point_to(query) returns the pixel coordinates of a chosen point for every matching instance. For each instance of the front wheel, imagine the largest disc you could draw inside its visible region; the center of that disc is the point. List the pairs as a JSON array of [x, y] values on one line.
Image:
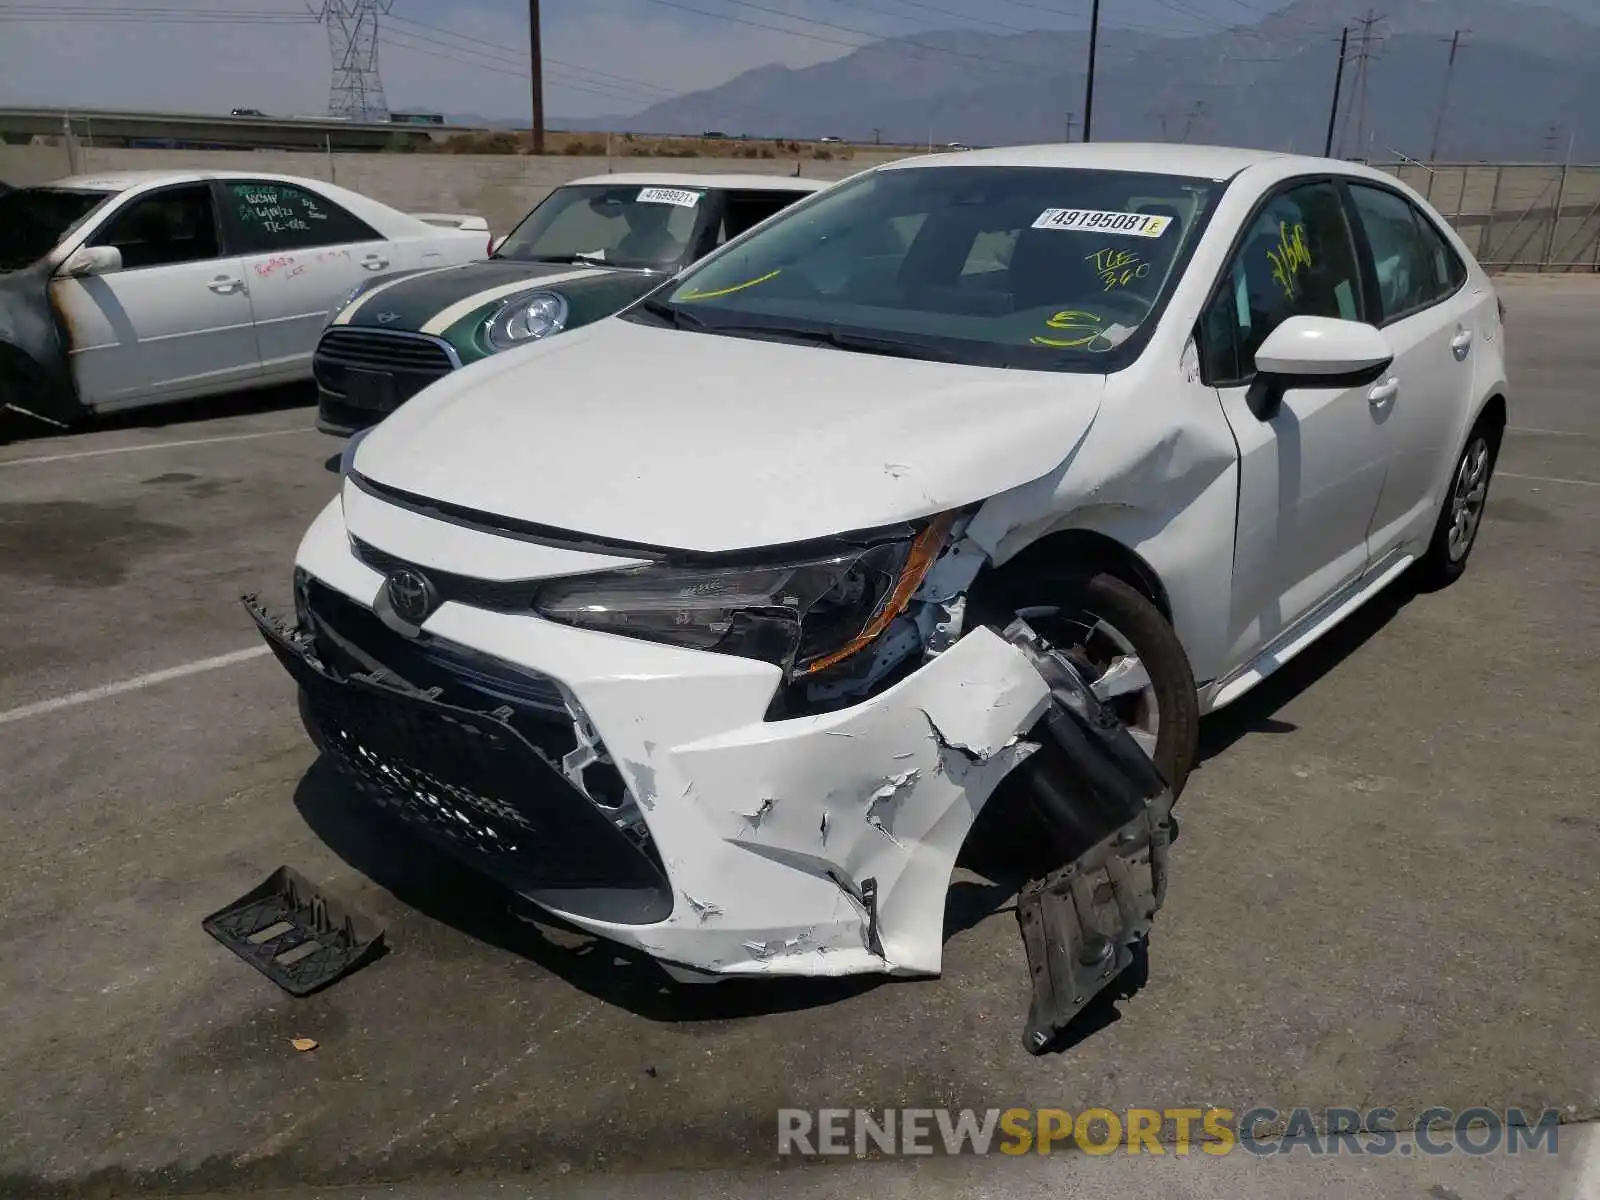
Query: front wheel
[[1126, 650]]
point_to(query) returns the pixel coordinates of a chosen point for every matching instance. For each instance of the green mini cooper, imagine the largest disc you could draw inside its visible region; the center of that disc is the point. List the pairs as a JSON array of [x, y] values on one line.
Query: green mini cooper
[[589, 249]]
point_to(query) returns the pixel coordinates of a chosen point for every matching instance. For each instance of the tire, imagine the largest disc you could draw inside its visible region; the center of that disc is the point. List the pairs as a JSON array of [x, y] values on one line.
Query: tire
[[1461, 514], [1094, 613]]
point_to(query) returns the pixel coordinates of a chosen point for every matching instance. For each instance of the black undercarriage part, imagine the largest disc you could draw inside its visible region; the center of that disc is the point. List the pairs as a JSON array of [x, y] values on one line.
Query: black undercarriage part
[[297, 937], [1111, 812]]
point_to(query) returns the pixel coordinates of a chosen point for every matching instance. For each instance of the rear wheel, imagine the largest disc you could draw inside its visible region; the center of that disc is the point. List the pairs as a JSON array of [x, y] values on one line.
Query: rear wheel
[[1126, 650]]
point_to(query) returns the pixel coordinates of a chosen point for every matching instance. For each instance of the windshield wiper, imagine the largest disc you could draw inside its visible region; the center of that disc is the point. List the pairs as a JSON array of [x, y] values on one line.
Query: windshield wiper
[[838, 340], [677, 316], [598, 259]]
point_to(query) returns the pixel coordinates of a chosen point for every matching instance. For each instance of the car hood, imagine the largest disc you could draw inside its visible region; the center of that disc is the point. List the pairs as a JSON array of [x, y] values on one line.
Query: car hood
[[702, 442], [411, 301]]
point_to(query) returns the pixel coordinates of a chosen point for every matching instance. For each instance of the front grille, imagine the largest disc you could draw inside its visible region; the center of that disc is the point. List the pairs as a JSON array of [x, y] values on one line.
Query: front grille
[[513, 596], [374, 371], [465, 749], [378, 350]]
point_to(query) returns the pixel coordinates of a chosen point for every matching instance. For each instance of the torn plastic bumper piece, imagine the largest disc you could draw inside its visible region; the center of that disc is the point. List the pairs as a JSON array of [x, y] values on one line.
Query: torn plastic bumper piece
[[470, 782], [297, 937], [1094, 787]]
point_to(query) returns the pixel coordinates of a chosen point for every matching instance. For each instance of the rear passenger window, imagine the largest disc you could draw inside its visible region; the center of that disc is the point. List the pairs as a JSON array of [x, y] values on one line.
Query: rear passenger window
[[271, 217], [1415, 266], [1296, 259]]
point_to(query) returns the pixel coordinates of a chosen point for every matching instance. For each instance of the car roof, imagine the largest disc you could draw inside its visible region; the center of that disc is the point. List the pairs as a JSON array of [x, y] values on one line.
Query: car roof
[[121, 181], [1162, 158], [710, 179]]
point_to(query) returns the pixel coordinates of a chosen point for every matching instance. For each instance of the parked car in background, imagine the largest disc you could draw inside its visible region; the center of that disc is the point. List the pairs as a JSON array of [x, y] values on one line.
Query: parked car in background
[[713, 626], [130, 289], [589, 248]]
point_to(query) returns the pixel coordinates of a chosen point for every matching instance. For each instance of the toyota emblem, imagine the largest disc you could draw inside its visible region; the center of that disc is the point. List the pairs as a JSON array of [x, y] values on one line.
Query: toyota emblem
[[410, 595]]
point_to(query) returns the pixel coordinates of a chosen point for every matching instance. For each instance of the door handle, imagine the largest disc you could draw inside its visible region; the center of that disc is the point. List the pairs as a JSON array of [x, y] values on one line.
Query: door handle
[[223, 286], [1461, 343], [373, 263], [1384, 392]]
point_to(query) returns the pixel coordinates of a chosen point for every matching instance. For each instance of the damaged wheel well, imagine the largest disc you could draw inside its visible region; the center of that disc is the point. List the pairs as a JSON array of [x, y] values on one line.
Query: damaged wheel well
[[1094, 552]]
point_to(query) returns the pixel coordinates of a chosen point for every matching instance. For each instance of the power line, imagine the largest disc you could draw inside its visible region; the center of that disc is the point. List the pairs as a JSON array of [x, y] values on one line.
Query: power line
[[522, 56]]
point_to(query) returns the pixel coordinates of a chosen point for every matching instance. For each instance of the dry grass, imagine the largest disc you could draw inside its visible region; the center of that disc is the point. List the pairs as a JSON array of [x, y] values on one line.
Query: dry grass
[[633, 145]]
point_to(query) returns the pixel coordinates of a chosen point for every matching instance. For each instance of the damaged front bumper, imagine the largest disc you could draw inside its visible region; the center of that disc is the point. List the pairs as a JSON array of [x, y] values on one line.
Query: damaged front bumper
[[639, 791]]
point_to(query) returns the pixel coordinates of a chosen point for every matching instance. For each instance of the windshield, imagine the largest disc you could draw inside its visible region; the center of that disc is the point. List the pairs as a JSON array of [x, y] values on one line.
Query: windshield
[[34, 220], [1042, 268], [632, 226]]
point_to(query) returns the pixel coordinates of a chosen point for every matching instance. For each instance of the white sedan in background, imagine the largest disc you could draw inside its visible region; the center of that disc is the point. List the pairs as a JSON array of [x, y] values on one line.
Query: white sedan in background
[[143, 287]]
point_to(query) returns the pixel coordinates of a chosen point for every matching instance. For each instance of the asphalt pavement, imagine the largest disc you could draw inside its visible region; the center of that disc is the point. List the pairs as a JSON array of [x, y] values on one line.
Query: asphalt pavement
[[1384, 894]]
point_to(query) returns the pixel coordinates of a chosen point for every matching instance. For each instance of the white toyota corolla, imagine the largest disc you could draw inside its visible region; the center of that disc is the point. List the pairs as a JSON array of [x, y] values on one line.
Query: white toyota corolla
[[714, 625]]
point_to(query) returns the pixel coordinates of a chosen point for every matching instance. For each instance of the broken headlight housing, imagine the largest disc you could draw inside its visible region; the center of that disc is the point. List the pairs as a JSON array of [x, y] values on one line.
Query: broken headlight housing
[[526, 318], [803, 615]]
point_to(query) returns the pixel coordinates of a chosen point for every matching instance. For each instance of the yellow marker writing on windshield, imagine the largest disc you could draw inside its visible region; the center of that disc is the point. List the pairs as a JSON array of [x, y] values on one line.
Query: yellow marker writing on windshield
[[1084, 326], [738, 287], [1118, 267]]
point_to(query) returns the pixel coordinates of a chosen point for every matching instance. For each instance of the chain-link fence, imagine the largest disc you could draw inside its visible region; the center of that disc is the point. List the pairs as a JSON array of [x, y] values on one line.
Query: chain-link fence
[[1516, 216]]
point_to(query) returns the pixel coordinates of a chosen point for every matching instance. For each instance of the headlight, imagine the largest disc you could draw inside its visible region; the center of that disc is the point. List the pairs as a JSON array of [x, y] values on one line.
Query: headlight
[[803, 615], [346, 300], [526, 318]]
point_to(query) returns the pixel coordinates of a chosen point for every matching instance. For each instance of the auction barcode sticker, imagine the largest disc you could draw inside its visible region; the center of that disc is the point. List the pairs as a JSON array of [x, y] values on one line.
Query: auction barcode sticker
[[682, 197], [1094, 220]]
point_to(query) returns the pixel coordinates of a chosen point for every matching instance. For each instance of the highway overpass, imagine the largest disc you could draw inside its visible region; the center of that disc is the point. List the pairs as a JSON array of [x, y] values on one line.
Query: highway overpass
[[198, 131]]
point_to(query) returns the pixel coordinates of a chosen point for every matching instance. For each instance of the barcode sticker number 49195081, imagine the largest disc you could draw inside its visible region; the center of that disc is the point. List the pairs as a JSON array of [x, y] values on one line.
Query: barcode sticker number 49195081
[[1090, 220]]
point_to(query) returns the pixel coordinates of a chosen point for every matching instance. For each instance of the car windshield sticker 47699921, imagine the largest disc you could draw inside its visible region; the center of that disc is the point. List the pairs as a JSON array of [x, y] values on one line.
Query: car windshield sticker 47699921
[[682, 197]]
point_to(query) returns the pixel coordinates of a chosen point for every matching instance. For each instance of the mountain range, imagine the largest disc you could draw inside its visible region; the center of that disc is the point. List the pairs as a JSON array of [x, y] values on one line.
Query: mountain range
[[1525, 86]]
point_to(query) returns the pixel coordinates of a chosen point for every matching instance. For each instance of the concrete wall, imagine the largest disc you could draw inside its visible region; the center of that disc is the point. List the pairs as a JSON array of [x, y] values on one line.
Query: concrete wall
[[1505, 213], [499, 187]]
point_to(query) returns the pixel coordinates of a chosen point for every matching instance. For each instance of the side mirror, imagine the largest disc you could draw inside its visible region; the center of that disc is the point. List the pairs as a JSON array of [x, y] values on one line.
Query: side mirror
[[93, 260], [1317, 352]]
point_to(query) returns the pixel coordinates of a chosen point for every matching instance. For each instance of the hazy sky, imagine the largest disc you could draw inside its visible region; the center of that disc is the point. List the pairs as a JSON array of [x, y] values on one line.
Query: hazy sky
[[603, 56]]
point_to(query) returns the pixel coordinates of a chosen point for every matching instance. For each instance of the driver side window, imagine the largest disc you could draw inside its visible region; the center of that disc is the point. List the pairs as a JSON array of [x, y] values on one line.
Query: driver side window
[[1296, 259]]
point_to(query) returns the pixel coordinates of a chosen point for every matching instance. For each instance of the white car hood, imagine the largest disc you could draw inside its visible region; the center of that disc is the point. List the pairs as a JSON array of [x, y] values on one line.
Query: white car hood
[[702, 442]]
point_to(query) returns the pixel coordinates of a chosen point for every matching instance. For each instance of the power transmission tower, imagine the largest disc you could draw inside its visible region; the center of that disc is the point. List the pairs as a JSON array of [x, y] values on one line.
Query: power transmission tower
[[1444, 94], [1363, 56], [357, 89], [1161, 115], [1070, 118], [1552, 135], [1197, 112]]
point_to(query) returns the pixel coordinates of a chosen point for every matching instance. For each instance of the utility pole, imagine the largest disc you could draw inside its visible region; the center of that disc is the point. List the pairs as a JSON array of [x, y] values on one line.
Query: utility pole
[[537, 74], [877, 136], [1070, 118], [1088, 89], [1444, 94], [1338, 81]]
